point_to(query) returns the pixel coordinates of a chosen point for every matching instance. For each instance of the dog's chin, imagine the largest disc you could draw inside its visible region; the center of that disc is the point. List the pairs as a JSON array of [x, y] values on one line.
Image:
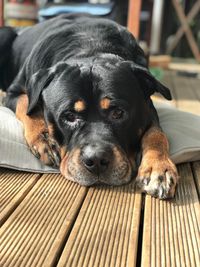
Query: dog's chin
[[118, 174], [85, 179]]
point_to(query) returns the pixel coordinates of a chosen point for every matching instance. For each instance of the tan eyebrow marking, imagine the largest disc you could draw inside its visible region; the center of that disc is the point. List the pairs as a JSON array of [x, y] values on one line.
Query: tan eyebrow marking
[[105, 103], [79, 106]]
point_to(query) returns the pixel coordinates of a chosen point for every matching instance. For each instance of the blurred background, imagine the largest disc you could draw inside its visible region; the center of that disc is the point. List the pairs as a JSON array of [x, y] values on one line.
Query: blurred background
[[167, 30]]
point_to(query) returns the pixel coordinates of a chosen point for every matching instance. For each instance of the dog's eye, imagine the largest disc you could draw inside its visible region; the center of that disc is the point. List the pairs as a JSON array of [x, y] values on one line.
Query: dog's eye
[[117, 114], [71, 117]]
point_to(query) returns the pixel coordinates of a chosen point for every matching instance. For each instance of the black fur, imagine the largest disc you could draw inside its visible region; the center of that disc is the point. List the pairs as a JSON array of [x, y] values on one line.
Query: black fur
[[74, 57]]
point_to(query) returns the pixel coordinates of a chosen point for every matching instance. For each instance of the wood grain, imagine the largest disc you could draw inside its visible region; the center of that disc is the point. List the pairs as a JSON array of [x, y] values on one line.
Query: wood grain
[[34, 233], [134, 10], [106, 230], [14, 186], [171, 235], [196, 172]]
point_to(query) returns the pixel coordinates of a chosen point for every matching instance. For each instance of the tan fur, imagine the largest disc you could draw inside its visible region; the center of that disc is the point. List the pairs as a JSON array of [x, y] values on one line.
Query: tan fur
[[105, 103], [155, 140], [79, 106], [157, 174], [38, 136], [63, 151], [33, 125]]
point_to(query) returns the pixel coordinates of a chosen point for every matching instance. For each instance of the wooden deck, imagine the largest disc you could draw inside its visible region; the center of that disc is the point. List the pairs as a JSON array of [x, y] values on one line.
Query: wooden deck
[[49, 221]]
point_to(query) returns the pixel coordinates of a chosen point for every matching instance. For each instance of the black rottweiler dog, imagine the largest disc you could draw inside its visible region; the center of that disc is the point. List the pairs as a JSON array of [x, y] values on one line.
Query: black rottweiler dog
[[82, 88]]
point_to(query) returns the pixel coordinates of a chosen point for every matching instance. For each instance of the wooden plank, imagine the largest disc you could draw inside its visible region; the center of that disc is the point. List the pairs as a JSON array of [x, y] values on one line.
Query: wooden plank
[[186, 96], [196, 171], [195, 85], [161, 61], [14, 186], [1, 13], [171, 235], [188, 67], [134, 10], [34, 234], [106, 229], [167, 80]]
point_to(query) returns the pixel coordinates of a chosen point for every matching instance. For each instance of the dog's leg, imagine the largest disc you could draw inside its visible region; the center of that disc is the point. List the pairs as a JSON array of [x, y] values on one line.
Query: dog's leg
[[157, 174], [36, 133]]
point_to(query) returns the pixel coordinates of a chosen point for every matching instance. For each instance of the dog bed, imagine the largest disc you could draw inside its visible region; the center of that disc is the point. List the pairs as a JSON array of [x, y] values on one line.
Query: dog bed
[[182, 129]]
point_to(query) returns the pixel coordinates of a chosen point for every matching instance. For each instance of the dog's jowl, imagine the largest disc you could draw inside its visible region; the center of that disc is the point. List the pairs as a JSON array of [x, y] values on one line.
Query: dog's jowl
[[81, 87]]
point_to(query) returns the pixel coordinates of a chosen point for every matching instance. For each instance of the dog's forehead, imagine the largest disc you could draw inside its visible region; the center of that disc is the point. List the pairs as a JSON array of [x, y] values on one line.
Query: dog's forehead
[[118, 85], [91, 90]]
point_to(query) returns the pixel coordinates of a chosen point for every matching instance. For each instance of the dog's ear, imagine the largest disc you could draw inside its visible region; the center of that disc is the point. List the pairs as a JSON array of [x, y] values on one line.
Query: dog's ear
[[38, 82], [148, 83], [42, 79]]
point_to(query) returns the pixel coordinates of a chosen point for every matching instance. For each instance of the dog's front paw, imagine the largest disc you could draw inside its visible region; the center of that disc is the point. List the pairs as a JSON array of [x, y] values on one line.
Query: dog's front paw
[[45, 148], [157, 177]]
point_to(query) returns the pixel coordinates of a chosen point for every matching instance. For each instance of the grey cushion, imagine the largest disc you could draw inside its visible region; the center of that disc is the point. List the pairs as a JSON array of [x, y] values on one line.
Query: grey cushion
[[182, 129], [14, 153], [183, 132]]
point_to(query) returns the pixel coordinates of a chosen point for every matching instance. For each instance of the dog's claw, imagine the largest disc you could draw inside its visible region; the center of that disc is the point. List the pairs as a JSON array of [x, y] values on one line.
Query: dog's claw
[[57, 158], [35, 152], [53, 161], [45, 135], [158, 179], [146, 181], [46, 149], [161, 193]]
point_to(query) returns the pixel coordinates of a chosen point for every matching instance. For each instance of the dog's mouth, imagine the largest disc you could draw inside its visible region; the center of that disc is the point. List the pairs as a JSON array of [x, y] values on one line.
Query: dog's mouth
[[116, 170]]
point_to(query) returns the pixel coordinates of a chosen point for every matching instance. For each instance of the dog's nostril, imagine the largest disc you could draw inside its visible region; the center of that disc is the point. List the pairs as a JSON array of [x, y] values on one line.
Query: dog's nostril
[[95, 164], [89, 162], [104, 162]]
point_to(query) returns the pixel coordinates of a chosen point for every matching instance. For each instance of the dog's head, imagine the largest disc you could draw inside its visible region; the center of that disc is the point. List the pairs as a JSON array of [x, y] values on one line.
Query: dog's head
[[98, 112]]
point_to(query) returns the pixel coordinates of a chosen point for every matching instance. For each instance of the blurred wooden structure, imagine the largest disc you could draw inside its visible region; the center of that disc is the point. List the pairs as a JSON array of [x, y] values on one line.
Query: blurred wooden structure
[[1, 13], [186, 28], [133, 23], [191, 15]]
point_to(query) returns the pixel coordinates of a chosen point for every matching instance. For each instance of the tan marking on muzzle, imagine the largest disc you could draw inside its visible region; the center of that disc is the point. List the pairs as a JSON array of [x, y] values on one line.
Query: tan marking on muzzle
[[63, 151], [79, 106], [105, 103], [51, 129]]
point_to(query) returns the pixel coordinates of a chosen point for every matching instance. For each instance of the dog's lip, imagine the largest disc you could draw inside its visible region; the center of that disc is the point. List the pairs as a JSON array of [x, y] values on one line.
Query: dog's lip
[[100, 181], [86, 183], [63, 164], [122, 180]]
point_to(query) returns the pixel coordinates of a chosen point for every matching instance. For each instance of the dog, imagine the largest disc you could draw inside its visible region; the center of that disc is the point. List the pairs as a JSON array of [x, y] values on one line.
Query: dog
[[81, 87]]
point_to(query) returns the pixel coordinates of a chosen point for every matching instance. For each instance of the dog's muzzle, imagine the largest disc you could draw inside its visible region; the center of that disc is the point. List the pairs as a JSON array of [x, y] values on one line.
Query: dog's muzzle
[[97, 163]]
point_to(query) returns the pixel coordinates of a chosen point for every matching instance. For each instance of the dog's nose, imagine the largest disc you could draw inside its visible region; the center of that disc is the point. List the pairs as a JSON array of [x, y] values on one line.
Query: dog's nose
[[96, 158]]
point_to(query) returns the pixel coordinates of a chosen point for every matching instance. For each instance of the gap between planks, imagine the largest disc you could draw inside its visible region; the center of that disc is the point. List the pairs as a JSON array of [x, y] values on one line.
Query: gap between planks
[[171, 235], [14, 186], [35, 232], [106, 230]]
